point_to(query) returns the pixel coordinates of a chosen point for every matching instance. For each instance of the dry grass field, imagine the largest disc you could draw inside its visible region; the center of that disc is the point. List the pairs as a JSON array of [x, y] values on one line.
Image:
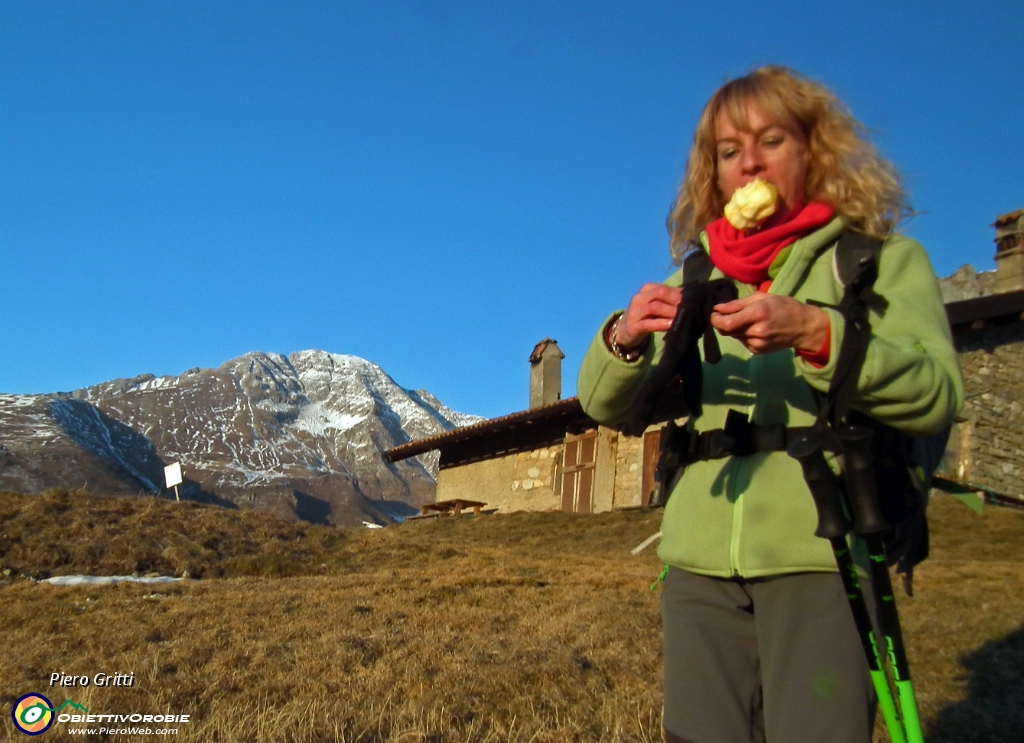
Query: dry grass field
[[525, 627]]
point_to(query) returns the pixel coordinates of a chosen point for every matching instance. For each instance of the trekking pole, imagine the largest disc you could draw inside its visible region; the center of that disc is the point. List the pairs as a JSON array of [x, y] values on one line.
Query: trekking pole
[[870, 525], [834, 525]]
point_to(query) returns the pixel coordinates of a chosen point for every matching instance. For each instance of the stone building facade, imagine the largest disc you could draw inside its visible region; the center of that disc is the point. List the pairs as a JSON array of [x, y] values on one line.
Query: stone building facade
[[988, 440], [986, 447], [540, 479], [596, 471]]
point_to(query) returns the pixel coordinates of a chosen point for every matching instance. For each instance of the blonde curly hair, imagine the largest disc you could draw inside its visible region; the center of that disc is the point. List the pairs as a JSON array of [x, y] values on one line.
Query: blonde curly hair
[[845, 171]]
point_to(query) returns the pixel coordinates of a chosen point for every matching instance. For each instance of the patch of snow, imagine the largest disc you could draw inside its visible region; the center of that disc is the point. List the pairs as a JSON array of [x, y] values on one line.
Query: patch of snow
[[20, 401], [318, 419], [106, 580], [157, 383]]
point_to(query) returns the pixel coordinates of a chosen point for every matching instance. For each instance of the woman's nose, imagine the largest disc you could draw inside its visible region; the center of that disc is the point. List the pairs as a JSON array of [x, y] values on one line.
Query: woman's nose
[[751, 160]]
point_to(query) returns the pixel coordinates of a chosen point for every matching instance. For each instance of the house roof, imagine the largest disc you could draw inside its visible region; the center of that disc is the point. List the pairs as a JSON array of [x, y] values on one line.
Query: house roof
[[522, 431], [1006, 306], [1003, 219], [524, 423]]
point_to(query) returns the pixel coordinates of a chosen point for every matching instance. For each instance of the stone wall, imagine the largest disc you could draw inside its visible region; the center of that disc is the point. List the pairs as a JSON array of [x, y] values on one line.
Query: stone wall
[[527, 481], [989, 439], [628, 471]]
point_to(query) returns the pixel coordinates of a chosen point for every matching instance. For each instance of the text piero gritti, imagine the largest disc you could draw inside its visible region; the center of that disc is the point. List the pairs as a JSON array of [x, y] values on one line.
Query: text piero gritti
[[59, 678]]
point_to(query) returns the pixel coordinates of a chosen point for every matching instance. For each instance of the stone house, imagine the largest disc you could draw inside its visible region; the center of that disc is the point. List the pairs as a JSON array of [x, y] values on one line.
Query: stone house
[[552, 456]]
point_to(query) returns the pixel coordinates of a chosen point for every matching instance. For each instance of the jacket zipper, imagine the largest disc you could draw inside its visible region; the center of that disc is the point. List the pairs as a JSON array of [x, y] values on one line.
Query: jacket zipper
[[737, 521], [741, 463]]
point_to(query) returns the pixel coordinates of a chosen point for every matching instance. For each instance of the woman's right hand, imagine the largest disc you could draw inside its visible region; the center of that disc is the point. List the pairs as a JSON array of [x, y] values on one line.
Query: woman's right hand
[[651, 310]]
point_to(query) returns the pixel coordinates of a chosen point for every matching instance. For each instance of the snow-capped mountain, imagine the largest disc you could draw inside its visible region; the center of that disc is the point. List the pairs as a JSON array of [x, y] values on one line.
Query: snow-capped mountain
[[299, 435]]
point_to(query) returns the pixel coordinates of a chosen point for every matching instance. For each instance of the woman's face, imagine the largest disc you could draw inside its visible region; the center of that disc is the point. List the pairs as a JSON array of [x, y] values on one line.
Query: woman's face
[[773, 152]]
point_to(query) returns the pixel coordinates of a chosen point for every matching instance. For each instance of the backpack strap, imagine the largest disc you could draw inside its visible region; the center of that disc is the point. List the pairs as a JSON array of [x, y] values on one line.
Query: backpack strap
[[855, 264], [697, 266]]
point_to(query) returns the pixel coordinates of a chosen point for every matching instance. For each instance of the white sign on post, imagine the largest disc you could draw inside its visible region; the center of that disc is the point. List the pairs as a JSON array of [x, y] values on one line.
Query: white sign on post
[[172, 476]]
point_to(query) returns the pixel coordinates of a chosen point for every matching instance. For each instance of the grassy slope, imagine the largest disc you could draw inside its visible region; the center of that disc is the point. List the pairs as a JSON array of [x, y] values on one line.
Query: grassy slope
[[62, 533], [525, 627]]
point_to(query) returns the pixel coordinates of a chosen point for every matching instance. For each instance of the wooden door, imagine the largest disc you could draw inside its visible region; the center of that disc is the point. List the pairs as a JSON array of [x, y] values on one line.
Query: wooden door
[[579, 456]]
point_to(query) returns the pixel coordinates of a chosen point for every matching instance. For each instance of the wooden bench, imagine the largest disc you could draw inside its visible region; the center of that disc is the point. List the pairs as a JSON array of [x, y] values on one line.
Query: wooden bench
[[449, 508]]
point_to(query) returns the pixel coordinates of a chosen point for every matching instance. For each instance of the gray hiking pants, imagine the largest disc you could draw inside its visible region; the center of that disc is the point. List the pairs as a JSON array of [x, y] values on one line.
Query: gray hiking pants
[[774, 660]]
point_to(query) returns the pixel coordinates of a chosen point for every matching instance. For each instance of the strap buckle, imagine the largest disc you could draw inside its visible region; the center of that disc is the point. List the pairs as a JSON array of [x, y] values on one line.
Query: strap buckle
[[735, 439], [684, 444]]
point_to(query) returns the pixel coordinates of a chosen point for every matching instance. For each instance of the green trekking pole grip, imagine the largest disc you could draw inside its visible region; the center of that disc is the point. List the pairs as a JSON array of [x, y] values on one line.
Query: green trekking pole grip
[[889, 619], [834, 525], [908, 705], [884, 693], [870, 525], [869, 643]]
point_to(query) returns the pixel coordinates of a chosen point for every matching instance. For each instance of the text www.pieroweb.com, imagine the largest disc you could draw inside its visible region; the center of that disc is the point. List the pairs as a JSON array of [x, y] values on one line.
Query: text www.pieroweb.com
[[122, 731], [131, 728]]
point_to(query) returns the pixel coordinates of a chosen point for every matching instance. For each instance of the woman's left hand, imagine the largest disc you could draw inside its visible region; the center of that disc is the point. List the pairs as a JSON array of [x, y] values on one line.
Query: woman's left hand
[[766, 323]]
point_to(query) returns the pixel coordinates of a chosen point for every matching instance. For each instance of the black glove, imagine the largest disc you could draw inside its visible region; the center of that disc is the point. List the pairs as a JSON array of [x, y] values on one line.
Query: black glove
[[680, 356]]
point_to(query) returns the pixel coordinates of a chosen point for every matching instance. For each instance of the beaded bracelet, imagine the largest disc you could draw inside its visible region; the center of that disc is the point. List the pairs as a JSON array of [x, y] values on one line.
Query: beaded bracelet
[[629, 355]]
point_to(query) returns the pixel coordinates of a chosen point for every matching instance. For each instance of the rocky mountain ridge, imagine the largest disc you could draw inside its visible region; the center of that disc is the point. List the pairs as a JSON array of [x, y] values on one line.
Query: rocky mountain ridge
[[299, 435]]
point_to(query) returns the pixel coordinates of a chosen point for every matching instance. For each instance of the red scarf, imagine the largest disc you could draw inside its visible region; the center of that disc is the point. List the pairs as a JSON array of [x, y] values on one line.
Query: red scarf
[[746, 258]]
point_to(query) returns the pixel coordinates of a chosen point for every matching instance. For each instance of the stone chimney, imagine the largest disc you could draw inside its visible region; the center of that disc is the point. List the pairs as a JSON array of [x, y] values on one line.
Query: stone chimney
[[545, 373], [1010, 251]]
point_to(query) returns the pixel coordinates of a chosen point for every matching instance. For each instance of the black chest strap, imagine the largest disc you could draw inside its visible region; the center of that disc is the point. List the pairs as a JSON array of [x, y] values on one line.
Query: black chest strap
[[739, 438]]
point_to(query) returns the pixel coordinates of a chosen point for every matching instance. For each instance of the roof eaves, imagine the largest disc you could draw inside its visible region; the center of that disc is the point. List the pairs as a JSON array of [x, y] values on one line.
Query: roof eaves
[[569, 407], [985, 308]]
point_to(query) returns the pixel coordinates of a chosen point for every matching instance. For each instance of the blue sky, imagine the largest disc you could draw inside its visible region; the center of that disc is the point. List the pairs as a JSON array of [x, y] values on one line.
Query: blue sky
[[432, 186]]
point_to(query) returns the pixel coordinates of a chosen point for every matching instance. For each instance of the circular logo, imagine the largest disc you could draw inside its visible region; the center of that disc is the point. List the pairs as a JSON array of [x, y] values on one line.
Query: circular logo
[[32, 714]]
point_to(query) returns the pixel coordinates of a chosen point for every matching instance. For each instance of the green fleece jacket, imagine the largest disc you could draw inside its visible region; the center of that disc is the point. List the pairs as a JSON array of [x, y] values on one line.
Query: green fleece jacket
[[753, 516]]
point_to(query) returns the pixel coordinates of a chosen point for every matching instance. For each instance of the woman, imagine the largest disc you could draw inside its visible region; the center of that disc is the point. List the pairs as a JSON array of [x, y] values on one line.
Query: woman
[[758, 638]]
